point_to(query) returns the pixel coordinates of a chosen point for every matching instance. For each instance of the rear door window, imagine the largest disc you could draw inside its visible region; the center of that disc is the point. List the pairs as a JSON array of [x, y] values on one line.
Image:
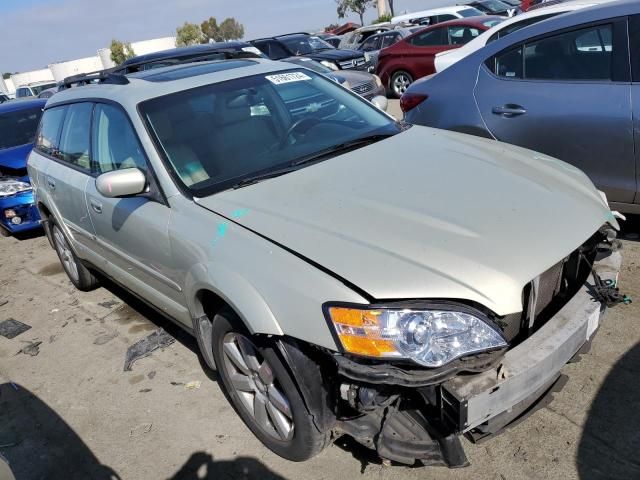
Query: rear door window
[[430, 38], [390, 39], [48, 137], [372, 43], [462, 35], [74, 140], [584, 54]]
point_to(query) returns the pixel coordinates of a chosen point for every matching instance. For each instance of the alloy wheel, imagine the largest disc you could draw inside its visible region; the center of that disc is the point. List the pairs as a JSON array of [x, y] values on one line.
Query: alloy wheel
[[400, 84], [66, 255], [255, 384]]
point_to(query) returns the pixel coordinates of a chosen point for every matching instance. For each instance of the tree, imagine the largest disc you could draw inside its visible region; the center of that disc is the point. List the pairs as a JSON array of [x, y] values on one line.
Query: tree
[[229, 29], [355, 6], [6, 75], [189, 34], [120, 51]]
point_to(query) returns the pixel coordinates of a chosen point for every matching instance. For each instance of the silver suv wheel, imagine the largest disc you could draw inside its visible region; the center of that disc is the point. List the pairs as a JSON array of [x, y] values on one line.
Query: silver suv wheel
[[400, 82], [253, 380], [65, 254]]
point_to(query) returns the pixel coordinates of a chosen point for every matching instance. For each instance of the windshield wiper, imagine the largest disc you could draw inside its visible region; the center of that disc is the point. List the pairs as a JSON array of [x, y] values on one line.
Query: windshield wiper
[[358, 142], [263, 176]]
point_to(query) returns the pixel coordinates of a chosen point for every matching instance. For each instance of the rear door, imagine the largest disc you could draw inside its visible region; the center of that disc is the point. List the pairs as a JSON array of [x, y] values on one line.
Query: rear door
[[634, 44], [64, 139], [132, 233], [567, 94], [421, 49]]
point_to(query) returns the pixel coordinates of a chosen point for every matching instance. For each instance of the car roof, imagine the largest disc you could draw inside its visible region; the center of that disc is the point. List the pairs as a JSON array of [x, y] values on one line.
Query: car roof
[[141, 86], [433, 11], [184, 51], [17, 105], [609, 9], [37, 84]]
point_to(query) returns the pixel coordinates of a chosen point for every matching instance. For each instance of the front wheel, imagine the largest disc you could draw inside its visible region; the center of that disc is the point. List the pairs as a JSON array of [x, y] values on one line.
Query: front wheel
[[80, 276], [399, 83], [262, 391]]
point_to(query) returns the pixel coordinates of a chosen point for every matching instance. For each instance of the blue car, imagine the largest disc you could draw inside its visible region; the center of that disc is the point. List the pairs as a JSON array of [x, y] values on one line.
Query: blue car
[[18, 125]]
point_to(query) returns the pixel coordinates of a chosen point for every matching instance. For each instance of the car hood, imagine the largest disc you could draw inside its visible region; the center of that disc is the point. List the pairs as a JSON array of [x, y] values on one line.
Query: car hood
[[15, 157], [354, 77], [427, 214], [335, 55]]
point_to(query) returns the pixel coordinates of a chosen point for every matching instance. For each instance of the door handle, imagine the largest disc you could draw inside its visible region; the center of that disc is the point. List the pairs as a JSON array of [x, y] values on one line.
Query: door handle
[[52, 183], [509, 110], [97, 207]]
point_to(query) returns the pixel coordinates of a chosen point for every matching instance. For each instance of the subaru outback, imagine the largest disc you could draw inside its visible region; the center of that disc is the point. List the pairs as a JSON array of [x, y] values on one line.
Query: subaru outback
[[345, 273]]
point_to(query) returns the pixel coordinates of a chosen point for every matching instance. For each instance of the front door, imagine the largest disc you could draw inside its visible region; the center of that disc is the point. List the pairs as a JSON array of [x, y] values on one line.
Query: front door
[[132, 233], [567, 95]]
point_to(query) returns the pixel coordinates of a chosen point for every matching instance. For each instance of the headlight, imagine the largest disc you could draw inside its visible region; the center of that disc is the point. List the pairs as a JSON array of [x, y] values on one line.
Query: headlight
[[329, 64], [378, 81], [430, 337], [11, 187]]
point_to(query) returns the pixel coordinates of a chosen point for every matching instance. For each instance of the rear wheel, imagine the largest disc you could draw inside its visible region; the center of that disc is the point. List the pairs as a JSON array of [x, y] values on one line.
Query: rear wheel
[[80, 276], [399, 83], [263, 392]]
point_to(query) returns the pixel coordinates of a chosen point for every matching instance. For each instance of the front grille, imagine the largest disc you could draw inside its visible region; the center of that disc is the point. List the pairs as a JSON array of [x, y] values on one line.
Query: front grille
[[355, 64], [13, 172], [546, 294], [364, 88]]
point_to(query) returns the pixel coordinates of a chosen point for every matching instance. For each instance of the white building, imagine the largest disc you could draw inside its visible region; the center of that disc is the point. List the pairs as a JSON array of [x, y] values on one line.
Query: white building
[[60, 70]]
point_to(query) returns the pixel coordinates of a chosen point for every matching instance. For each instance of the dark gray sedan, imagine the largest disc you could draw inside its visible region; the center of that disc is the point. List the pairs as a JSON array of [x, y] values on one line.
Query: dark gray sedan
[[565, 87]]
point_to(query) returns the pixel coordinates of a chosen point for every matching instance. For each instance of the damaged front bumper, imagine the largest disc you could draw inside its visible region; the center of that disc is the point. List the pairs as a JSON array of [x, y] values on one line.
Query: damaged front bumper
[[418, 415]]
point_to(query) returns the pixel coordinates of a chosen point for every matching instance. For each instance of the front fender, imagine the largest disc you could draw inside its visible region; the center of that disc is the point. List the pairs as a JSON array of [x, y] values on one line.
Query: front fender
[[236, 291]]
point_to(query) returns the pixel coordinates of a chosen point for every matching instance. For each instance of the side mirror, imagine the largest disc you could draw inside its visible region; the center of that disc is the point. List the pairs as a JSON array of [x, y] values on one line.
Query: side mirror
[[380, 102], [121, 183]]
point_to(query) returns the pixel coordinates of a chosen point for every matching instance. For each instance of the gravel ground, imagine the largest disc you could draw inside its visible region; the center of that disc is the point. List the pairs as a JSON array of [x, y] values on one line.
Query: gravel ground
[[68, 410]]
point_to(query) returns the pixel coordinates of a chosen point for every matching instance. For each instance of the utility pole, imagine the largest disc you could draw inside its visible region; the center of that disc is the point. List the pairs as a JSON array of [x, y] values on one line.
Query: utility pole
[[383, 8]]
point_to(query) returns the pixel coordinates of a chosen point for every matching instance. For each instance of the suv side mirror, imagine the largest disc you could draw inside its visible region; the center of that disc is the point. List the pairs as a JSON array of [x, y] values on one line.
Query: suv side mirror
[[121, 183]]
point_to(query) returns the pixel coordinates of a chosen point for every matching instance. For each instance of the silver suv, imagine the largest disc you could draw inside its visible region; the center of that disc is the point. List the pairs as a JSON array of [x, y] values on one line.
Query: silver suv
[[345, 273]]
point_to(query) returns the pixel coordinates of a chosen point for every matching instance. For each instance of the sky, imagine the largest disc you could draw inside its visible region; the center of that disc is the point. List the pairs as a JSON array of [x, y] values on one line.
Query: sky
[[35, 33]]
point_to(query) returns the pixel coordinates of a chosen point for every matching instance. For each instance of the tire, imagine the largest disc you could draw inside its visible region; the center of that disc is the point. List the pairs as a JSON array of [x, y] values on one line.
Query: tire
[[4, 232], [399, 83], [236, 353], [80, 276]]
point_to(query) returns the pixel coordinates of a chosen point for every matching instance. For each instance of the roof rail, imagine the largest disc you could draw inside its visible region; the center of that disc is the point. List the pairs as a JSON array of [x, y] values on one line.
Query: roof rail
[[228, 53], [278, 36], [102, 76]]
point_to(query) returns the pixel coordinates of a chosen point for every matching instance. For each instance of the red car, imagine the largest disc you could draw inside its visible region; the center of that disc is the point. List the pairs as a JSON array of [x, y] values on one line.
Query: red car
[[412, 58]]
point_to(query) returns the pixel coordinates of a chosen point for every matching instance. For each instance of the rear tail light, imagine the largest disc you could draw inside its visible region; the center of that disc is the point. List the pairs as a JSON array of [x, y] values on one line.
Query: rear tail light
[[409, 101]]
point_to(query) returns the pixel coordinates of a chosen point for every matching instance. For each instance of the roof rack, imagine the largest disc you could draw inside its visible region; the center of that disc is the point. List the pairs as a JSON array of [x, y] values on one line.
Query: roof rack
[[102, 76], [228, 53]]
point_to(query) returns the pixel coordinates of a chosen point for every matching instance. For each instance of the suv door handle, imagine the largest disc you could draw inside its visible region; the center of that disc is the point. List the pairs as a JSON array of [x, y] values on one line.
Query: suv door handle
[[97, 207], [52, 183], [509, 110]]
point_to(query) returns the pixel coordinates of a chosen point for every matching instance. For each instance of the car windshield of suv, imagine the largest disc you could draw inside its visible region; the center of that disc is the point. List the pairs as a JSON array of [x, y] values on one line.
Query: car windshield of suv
[[470, 12], [37, 89], [305, 45], [238, 132], [19, 128], [494, 5]]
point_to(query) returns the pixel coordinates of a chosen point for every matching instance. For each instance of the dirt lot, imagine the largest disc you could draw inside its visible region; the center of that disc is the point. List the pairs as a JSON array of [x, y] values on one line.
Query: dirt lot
[[72, 412]]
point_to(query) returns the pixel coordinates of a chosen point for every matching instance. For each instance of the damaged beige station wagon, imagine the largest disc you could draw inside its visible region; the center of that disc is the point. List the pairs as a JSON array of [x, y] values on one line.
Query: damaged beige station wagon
[[344, 273]]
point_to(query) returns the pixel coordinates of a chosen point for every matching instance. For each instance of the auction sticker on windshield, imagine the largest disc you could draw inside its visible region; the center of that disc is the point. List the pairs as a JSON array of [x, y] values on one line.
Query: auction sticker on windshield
[[281, 78]]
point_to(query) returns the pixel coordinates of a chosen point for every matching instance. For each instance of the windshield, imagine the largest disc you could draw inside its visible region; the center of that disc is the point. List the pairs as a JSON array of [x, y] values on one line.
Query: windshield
[[470, 12], [494, 5], [218, 135], [37, 89], [305, 45], [492, 23], [19, 128]]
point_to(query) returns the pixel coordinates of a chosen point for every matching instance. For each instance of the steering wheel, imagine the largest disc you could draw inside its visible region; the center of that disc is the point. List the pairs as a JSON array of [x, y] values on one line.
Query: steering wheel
[[304, 124]]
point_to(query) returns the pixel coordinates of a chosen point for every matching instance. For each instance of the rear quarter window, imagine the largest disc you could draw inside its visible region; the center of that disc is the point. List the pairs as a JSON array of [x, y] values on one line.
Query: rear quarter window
[[47, 141]]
